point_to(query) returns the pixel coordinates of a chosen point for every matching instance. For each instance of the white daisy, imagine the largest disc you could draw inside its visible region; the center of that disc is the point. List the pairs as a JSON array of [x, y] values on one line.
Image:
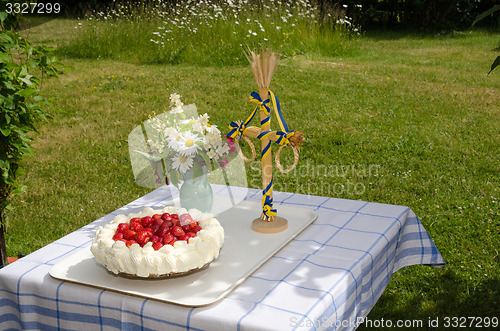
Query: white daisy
[[182, 163], [175, 140], [187, 144]]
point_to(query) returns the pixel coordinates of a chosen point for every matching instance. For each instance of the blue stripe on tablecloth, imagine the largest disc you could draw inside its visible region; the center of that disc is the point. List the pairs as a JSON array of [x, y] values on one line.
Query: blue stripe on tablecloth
[[57, 304], [99, 307], [142, 313], [422, 244]]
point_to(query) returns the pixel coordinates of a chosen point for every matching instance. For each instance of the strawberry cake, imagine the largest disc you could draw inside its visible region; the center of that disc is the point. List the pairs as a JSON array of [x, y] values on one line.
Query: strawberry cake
[[158, 243]]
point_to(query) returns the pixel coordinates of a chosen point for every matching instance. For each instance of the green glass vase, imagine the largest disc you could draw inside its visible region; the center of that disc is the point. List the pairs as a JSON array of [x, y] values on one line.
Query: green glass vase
[[196, 192]]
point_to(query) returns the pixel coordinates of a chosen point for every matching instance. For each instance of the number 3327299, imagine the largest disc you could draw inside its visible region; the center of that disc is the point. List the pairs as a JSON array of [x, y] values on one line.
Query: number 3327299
[[33, 8]]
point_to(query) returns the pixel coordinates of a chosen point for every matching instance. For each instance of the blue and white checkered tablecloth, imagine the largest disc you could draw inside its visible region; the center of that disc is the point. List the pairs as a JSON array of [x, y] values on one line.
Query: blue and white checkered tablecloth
[[328, 277]]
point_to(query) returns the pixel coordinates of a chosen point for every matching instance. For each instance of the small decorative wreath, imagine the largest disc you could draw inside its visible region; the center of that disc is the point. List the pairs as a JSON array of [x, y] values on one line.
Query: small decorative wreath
[[295, 161], [252, 147]]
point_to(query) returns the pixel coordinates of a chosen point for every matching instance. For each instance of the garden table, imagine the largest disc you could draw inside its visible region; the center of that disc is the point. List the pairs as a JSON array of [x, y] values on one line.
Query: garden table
[[328, 277]]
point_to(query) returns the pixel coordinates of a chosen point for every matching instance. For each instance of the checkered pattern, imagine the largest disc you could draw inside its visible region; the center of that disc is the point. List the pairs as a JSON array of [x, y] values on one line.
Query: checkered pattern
[[326, 278]]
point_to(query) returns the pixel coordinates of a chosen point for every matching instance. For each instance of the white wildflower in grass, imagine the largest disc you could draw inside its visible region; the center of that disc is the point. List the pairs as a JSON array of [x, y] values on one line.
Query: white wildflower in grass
[[209, 31]]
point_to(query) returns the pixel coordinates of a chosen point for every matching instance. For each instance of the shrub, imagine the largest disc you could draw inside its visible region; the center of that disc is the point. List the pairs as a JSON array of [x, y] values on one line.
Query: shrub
[[22, 67]]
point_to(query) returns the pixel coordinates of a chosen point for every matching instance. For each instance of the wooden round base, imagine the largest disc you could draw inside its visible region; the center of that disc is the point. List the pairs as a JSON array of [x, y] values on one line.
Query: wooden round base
[[278, 225]]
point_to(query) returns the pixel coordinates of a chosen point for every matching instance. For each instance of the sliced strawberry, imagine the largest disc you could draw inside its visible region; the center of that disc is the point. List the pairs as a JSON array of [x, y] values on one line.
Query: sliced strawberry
[[157, 222], [118, 236], [130, 242], [135, 220], [154, 238], [166, 217], [154, 228], [162, 231], [142, 237], [129, 234], [136, 226], [157, 245], [177, 231], [122, 227], [147, 221], [186, 228], [156, 216], [196, 228], [168, 239]]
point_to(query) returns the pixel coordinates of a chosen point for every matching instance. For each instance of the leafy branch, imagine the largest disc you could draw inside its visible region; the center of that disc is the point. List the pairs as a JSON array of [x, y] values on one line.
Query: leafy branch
[[22, 105]]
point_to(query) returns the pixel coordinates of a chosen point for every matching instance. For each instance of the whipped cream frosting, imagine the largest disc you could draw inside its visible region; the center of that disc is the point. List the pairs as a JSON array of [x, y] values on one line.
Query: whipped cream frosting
[[145, 261]]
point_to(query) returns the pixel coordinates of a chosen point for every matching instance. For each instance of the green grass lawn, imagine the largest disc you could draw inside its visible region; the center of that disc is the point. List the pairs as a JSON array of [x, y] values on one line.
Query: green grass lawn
[[402, 119]]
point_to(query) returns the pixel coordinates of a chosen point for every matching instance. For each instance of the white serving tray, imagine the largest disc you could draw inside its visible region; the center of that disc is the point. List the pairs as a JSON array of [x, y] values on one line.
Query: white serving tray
[[244, 251]]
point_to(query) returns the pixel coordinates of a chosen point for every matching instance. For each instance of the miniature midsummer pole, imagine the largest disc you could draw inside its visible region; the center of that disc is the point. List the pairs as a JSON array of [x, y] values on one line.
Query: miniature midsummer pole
[[263, 66]]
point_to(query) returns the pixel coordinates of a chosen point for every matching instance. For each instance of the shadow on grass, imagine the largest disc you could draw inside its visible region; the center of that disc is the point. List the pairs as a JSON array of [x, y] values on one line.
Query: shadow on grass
[[439, 295]]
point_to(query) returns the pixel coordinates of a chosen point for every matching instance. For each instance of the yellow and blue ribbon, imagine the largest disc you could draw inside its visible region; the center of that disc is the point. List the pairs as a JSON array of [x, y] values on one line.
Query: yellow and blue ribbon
[[267, 201]]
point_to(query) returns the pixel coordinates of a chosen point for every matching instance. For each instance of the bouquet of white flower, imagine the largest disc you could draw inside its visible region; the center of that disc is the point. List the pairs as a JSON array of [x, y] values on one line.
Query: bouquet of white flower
[[179, 143]]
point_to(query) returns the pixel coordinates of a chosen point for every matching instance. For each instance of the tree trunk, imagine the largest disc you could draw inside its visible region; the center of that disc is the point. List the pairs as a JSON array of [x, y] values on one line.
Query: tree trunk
[[3, 249]]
